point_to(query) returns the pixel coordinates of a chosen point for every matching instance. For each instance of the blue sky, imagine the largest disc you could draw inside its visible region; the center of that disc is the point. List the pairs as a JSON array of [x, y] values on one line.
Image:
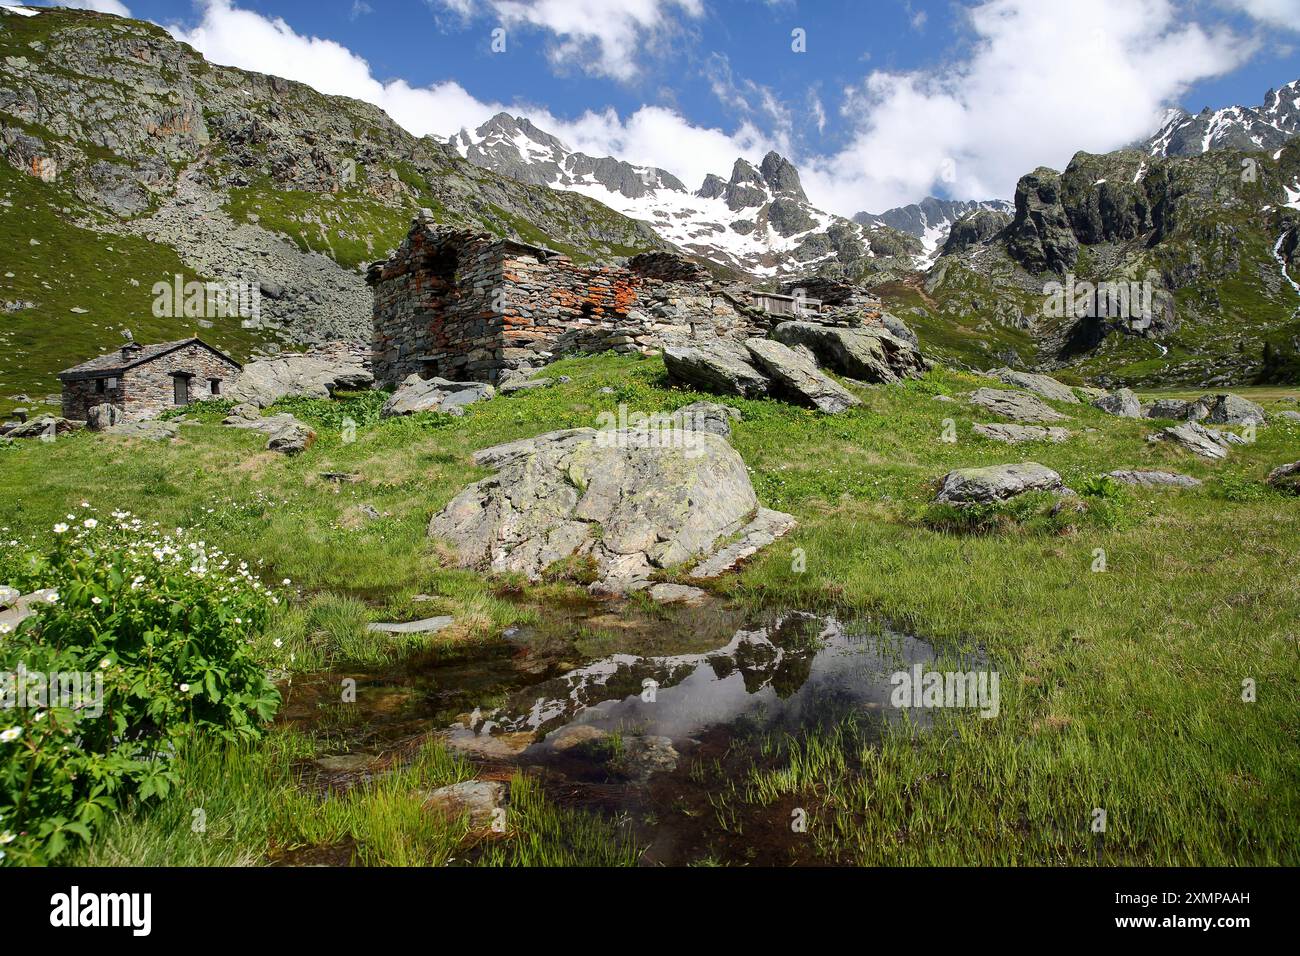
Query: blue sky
[[888, 101]]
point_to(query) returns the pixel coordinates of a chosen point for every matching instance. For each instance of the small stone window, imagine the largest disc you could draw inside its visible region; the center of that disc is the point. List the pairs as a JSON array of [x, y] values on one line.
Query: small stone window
[[101, 384], [214, 387]]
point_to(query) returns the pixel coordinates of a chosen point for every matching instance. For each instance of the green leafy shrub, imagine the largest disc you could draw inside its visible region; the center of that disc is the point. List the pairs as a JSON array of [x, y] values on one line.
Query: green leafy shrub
[[146, 641]]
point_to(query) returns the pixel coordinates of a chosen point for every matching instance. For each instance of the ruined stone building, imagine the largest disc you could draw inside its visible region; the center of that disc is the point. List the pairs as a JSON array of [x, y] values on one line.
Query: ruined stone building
[[471, 306], [143, 380]]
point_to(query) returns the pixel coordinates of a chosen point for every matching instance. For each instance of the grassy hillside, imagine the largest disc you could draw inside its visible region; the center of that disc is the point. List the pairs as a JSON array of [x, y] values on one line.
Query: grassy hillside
[[1120, 690]]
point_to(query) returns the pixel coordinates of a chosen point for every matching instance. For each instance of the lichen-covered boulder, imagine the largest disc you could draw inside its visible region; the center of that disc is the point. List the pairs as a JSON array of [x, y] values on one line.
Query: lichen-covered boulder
[[1122, 403], [629, 500], [717, 366], [1017, 406], [798, 378], [1042, 385], [295, 376], [418, 394]]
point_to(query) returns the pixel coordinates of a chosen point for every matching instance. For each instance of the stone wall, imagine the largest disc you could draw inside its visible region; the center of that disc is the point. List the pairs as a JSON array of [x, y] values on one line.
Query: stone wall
[[468, 306], [146, 390]]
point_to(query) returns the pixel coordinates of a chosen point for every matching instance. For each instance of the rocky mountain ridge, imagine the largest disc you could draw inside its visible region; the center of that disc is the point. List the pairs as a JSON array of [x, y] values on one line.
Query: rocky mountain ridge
[[1266, 127], [758, 220]]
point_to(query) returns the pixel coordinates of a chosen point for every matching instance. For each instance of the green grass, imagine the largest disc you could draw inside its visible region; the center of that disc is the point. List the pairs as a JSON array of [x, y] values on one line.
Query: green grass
[[1120, 690]]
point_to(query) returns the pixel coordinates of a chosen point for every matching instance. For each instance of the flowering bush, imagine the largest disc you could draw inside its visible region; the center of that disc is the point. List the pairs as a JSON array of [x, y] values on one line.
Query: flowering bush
[[143, 638]]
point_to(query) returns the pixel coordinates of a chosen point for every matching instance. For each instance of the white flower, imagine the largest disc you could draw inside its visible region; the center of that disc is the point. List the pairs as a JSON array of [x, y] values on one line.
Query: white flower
[[5, 628], [90, 523], [60, 528], [7, 837], [185, 688], [96, 600], [10, 735], [278, 643], [103, 665], [286, 582]]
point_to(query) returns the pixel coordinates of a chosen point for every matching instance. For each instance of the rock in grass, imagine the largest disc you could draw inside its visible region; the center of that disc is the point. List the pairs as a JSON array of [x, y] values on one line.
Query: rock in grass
[[1042, 385], [479, 798], [1014, 434], [708, 417], [1156, 479], [1286, 478], [799, 379], [717, 366], [626, 501], [967, 486], [1017, 406], [767, 526], [1288, 416], [1227, 409], [1123, 404], [291, 438], [1174, 409], [265, 382], [43, 426], [430, 625], [1196, 438], [102, 417], [149, 430], [417, 394], [870, 354]]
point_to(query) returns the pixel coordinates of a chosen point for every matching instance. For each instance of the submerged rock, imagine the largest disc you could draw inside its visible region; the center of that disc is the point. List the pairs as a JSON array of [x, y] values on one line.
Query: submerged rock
[[429, 625], [995, 483], [642, 757]]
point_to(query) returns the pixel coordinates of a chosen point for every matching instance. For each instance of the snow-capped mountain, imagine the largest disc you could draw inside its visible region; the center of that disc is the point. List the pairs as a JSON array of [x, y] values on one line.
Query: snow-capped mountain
[[1265, 127], [931, 219], [758, 220]]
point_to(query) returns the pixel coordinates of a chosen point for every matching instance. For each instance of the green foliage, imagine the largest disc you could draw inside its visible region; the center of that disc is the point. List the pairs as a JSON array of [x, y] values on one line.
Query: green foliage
[[148, 634]]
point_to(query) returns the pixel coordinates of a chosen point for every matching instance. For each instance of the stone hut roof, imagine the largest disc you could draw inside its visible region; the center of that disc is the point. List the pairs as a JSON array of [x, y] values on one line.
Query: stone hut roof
[[129, 357]]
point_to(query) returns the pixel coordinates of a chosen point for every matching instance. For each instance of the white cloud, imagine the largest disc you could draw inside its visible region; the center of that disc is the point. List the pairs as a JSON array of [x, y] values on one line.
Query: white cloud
[[99, 6], [602, 37], [360, 9], [1277, 13], [1039, 82], [1042, 80]]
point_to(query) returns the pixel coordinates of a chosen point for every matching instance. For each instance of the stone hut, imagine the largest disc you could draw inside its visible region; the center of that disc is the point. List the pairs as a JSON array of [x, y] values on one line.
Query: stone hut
[[143, 380], [465, 305]]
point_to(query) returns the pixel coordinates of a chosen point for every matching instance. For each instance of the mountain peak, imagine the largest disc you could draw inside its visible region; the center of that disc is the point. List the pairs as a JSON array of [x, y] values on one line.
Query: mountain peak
[[780, 174]]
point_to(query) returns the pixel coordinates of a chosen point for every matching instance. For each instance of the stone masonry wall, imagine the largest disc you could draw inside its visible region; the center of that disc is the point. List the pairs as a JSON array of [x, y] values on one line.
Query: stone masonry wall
[[466, 306]]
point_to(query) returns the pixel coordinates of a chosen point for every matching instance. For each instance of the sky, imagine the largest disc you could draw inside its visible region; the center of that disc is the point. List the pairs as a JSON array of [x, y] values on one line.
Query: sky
[[878, 102]]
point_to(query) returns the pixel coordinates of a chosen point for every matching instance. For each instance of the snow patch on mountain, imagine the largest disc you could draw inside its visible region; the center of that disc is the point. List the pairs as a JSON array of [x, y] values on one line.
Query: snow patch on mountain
[[931, 220], [1266, 127]]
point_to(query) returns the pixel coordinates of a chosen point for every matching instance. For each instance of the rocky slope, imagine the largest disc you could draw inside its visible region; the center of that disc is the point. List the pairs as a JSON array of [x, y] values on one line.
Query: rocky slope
[[1265, 127], [136, 159], [758, 220], [1207, 251]]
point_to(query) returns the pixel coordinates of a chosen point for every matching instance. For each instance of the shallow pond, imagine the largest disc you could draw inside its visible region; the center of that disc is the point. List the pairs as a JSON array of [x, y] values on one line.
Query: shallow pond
[[636, 716]]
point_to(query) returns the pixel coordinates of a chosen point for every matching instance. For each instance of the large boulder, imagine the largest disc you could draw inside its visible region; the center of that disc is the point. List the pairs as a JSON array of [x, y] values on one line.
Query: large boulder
[[717, 366], [1122, 403], [148, 430], [1195, 437], [710, 417], [1228, 409], [1017, 406], [799, 379], [285, 433], [1041, 385], [626, 500], [418, 394], [869, 354], [295, 376], [967, 486]]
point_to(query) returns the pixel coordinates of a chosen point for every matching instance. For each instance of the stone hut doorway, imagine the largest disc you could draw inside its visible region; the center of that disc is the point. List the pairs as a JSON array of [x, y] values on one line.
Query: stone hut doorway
[[180, 389]]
